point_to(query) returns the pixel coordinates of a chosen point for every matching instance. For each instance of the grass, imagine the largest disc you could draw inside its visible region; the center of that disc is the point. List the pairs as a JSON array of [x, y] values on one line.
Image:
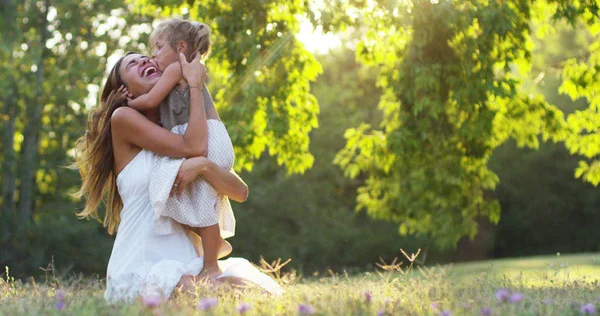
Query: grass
[[551, 285]]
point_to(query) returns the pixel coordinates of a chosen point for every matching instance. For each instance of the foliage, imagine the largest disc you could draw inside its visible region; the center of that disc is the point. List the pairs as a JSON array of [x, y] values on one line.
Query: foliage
[[581, 80], [451, 73], [51, 53], [59, 240], [309, 218], [544, 208]]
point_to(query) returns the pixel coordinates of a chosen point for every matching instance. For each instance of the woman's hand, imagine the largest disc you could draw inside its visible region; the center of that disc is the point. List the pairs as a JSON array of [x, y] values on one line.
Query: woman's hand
[[189, 170], [194, 72]]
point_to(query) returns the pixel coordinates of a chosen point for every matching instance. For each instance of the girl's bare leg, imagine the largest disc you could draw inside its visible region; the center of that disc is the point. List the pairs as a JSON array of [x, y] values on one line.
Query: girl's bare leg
[[224, 250], [211, 243]]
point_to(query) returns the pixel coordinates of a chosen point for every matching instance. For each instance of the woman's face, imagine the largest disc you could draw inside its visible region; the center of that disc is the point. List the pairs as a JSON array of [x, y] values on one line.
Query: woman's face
[[139, 74], [164, 54]]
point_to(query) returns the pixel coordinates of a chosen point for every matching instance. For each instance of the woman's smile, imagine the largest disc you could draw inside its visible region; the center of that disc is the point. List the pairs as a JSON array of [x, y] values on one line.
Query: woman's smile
[[139, 73], [149, 71]]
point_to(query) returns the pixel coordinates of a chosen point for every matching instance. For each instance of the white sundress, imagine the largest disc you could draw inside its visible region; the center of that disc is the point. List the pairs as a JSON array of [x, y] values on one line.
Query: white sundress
[[143, 263]]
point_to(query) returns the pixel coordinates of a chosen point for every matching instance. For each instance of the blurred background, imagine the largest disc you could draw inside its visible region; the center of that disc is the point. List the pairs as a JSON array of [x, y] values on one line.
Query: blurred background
[[465, 128]]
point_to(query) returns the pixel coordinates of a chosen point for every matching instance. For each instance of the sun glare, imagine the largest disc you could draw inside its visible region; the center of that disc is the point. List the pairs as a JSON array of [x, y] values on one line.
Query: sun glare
[[315, 40]]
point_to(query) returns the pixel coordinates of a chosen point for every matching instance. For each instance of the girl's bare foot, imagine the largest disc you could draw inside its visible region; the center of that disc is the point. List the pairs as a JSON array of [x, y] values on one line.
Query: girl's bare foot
[[225, 249], [210, 271]]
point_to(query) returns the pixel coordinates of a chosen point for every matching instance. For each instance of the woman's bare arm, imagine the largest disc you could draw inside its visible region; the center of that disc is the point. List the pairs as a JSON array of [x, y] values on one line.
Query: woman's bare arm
[[134, 128], [224, 181]]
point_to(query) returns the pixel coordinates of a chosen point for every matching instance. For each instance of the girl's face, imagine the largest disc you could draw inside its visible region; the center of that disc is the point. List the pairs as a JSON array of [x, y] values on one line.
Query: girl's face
[[163, 53]]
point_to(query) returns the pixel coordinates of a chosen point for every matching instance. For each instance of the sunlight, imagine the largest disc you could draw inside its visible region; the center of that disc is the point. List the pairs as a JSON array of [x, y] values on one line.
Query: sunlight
[[314, 40], [539, 271]]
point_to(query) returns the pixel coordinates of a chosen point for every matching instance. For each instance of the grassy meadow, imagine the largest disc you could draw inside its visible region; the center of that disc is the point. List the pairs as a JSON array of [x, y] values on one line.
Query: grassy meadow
[[544, 285]]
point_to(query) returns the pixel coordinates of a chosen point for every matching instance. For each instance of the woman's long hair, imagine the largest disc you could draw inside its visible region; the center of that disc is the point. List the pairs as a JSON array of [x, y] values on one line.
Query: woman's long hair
[[95, 159]]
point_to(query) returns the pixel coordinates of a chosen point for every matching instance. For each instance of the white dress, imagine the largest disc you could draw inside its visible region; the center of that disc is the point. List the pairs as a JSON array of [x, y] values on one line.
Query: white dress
[[200, 205], [143, 263]]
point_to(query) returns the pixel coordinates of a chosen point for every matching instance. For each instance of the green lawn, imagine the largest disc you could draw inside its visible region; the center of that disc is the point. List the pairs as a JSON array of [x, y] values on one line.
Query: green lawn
[[536, 270], [550, 285]]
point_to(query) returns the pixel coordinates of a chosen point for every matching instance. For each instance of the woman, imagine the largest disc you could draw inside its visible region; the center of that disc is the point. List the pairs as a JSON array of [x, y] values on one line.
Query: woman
[[115, 158]]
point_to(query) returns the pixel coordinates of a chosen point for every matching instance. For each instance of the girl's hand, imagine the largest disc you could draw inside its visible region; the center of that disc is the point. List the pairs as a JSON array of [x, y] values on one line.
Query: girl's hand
[[194, 72], [189, 170], [123, 93]]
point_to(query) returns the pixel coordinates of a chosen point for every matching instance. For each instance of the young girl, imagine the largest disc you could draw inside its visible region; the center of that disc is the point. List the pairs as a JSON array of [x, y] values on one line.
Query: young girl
[[200, 207]]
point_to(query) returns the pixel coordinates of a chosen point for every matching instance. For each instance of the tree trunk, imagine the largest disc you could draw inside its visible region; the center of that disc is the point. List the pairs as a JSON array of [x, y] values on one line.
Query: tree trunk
[[481, 247], [31, 134], [9, 165], [8, 152]]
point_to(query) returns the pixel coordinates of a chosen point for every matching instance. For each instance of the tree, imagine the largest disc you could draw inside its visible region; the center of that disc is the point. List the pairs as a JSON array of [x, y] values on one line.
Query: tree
[[450, 71], [9, 107], [544, 208], [51, 52], [309, 218], [581, 79]]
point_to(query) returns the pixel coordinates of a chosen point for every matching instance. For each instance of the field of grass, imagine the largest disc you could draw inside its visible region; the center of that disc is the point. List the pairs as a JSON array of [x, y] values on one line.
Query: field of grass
[[545, 285]]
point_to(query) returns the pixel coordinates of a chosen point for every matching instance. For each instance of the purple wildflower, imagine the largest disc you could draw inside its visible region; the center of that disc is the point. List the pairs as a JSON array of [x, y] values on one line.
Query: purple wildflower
[[151, 301], [588, 309], [502, 295], [388, 301], [380, 312], [435, 306], [306, 309], [208, 303], [60, 305], [60, 295], [60, 300], [446, 313], [244, 307], [368, 297], [486, 311], [516, 297], [466, 306]]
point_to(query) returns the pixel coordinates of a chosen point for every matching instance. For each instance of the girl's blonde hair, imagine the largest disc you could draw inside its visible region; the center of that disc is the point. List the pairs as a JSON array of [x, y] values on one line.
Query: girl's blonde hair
[[195, 34]]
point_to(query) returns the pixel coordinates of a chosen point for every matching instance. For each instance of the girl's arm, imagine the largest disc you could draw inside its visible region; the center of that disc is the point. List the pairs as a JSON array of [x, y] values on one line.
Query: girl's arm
[[169, 79], [134, 128], [224, 181]]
